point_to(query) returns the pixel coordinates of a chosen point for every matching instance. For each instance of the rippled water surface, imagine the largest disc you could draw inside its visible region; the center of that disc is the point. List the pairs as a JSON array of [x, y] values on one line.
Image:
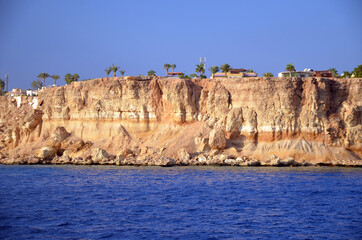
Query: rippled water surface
[[82, 202]]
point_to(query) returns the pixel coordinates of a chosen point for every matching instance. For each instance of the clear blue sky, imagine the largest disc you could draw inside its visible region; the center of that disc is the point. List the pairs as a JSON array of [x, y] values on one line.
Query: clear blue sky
[[86, 36]]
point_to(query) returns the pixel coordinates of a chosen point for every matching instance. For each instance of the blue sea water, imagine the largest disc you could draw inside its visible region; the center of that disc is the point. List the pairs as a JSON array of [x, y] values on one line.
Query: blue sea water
[[95, 202]]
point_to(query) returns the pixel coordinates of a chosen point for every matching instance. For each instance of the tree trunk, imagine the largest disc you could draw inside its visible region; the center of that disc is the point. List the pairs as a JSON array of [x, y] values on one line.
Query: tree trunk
[[43, 82], [114, 74]]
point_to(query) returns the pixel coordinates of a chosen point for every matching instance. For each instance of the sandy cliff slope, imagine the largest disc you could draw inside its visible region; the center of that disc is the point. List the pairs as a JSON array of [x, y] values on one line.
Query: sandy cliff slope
[[221, 121]]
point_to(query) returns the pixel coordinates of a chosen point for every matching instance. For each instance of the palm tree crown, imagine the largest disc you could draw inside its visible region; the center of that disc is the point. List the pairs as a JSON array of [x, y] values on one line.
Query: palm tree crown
[[122, 72], [225, 68], [43, 76], [167, 67], [55, 78], [75, 77], [108, 70], [213, 70], [114, 69], [68, 78], [290, 68], [151, 73], [200, 68], [173, 66]]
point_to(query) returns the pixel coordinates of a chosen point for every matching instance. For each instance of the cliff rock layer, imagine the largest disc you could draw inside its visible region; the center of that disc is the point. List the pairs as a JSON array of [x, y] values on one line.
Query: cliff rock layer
[[312, 120]]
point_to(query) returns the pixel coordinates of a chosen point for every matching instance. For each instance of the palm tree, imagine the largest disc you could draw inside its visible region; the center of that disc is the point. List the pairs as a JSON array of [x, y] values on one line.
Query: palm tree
[[167, 67], [290, 68], [2, 86], [68, 78], [268, 74], [173, 66], [114, 69], [213, 70], [43, 76], [225, 68], [250, 70], [334, 72], [151, 73], [200, 69], [55, 78], [75, 77], [108, 71], [122, 72]]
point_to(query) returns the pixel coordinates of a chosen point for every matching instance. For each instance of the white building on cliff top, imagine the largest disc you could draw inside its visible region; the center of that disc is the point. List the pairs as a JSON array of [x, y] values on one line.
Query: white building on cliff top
[[305, 73]]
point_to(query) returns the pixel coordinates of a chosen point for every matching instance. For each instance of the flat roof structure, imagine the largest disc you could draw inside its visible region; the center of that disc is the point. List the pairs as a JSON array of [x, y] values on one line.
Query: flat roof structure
[[237, 70], [325, 73], [174, 73]]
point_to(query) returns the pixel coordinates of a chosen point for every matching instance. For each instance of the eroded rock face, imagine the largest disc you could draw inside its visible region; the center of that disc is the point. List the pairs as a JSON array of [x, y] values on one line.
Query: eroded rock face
[[310, 119], [234, 121]]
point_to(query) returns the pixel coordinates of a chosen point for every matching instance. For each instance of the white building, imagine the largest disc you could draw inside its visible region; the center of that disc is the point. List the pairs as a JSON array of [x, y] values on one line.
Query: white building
[[305, 73], [31, 93]]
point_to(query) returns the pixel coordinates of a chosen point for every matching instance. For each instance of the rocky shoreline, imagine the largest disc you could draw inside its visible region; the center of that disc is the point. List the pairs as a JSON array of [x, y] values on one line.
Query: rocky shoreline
[[60, 149], [169, 162], [127, 158]]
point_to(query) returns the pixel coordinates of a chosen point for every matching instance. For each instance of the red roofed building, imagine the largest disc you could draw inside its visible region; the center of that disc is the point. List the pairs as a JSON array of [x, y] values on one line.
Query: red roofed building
[[322, 74]]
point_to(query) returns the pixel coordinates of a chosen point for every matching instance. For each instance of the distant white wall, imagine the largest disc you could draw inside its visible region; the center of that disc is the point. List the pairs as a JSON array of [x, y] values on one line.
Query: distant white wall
[[34, 103], [18, 101]]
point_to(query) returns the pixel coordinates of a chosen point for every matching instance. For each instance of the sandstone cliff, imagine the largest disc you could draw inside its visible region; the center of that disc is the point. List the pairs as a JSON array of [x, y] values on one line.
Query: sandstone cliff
[[312, 120]]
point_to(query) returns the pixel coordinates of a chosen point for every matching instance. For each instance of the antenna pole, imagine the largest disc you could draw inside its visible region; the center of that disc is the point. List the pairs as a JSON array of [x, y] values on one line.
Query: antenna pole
[[203, 62]]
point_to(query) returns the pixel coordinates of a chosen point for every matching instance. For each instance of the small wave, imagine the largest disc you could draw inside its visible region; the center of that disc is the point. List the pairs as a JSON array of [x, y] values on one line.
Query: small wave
[[107, 235], [64, 224]]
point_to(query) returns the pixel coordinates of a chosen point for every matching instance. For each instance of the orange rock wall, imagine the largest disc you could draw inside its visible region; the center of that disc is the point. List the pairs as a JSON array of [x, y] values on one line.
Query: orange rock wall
[[272, 109]]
